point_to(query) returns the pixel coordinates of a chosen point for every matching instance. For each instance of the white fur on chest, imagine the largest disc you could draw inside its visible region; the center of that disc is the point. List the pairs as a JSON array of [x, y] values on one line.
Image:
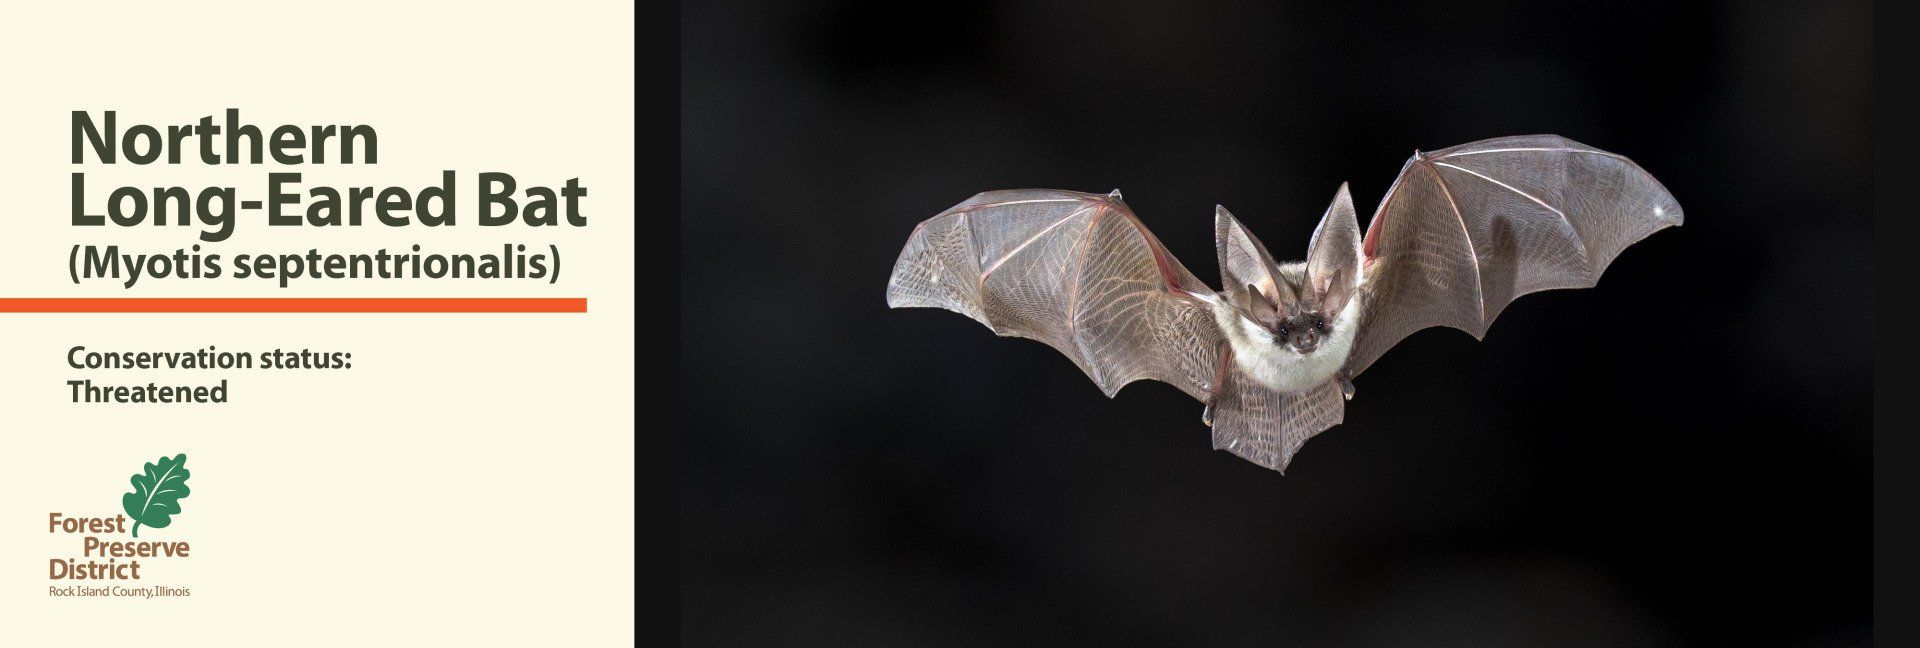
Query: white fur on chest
[[1277, 365]]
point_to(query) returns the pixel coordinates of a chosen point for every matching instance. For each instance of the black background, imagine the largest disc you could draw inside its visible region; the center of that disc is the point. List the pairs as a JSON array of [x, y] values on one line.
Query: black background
[[1680, 455]]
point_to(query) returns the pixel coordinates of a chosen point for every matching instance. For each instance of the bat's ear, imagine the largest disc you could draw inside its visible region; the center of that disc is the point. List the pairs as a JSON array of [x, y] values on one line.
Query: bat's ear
[[1245, 265], [1262, 310], [1333, 257]]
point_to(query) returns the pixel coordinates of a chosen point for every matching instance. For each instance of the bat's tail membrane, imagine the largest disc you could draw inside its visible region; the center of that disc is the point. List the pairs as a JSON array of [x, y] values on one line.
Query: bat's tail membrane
[[1267, 427]]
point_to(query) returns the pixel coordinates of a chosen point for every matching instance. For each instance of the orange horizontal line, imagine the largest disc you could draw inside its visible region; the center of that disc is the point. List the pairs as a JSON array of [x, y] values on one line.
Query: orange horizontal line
[[293, 304]]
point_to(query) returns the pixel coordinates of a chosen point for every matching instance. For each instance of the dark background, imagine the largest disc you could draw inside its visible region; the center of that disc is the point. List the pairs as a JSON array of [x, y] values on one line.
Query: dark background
[[1680, 455]]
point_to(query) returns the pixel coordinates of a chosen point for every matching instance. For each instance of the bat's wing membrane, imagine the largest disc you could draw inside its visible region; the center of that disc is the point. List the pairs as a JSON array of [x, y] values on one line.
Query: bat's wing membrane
[[1465, 230], [1076, 271]]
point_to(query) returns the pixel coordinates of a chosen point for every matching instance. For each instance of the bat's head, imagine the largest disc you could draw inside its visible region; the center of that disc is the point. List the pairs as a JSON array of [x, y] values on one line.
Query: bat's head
[[1301, 324], [1290, 313], [1298, 303]]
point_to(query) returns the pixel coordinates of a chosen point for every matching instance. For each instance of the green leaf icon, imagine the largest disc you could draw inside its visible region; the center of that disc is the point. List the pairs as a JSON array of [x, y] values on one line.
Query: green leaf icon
[[156, 493]]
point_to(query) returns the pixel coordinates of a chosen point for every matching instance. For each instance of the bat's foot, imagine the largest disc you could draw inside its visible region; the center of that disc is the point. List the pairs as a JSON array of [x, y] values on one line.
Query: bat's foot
[[1346, 386], [1206, 415]]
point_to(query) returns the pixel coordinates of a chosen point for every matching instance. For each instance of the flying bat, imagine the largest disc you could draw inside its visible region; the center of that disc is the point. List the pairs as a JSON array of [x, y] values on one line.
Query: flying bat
[[1461, 232]]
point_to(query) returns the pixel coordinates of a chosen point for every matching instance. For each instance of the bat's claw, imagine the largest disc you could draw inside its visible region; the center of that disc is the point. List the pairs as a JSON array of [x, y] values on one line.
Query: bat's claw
[[1206, 415], [1346, 386]]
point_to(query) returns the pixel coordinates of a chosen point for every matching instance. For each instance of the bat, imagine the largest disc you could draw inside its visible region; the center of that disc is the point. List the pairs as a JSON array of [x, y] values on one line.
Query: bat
[[1461, 233]]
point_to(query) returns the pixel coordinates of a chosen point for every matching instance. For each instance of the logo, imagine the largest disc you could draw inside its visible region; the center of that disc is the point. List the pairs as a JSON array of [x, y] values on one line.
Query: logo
[[157, 492], [110, 546]]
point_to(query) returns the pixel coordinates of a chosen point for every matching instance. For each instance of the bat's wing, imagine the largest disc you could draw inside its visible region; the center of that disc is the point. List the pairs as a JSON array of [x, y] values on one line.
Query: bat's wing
[[1076, 271], [1463, 231]]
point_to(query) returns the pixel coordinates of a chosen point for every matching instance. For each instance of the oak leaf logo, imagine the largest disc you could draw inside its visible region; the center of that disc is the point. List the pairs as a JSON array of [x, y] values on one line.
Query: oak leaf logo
[[156, 493]]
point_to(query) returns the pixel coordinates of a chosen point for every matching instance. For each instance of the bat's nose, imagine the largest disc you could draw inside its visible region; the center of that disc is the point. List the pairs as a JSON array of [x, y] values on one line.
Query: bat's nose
[[1304, 341]]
